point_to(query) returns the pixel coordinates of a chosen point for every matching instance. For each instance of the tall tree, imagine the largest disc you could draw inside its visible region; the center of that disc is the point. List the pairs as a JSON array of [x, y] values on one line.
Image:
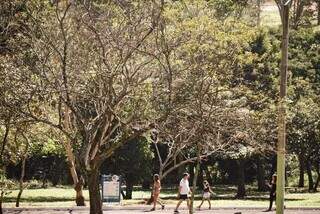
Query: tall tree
[[284, 8], [93, 65]]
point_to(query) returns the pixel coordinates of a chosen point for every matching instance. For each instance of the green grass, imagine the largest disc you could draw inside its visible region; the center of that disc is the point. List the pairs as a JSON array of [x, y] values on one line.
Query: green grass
[[64, 197], [270, 16]]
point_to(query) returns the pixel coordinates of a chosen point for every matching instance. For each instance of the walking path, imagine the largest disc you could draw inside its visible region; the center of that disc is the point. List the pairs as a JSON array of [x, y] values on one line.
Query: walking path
[[143, 209]]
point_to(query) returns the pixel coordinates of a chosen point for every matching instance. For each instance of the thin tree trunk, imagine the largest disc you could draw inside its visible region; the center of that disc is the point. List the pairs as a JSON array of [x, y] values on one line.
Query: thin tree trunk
[[77, 181], [259, 13], [281, 146], [310, 178], [301, 171], [261, 176], [5, 138], [241, 192], [129, 190], [94, 192], [1, 199], [195, 177], [318, 15], [21, 186]]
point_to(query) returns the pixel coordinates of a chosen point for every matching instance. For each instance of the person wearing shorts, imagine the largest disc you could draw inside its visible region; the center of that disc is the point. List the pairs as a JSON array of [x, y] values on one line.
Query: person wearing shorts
[[183, 192], [206, 194]]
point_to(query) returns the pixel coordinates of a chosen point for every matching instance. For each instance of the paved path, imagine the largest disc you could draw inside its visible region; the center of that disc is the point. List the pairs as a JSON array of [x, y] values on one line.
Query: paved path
[[145, 209]]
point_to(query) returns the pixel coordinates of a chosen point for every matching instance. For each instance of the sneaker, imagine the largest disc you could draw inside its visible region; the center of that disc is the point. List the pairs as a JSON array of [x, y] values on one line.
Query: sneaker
[[176, 211], [153, 209]]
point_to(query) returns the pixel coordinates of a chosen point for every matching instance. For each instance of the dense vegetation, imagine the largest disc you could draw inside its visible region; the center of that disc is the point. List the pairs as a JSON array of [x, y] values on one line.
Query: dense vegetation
[[143, 87]]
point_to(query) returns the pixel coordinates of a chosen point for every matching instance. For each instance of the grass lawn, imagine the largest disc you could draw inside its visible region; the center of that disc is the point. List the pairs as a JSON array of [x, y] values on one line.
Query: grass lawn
[[64, 197], [270, 15]]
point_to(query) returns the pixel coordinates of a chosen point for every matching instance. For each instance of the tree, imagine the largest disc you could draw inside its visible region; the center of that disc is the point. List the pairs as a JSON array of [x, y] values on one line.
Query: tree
[[284, 8], [92, 67]]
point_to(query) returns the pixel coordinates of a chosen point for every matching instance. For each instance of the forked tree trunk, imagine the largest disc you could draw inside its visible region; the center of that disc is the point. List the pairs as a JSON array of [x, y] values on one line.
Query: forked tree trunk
[[94, 192], [310, 178]]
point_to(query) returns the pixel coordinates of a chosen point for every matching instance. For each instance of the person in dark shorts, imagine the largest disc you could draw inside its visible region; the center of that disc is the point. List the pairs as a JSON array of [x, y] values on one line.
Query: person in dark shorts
[[183, 192], [273, 188]]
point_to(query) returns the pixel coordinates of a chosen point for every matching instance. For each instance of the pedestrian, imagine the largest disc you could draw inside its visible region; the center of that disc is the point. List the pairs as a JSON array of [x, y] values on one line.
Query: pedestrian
[[207, 191], [273, 188], [183, 192], [156, 188]]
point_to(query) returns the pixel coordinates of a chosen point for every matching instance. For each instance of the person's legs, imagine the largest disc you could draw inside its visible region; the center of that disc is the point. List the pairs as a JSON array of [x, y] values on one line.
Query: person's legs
[[155, 199], [188, 203], [201, 203], [209, 204], [271, 198], [159, 201], [178, 205]]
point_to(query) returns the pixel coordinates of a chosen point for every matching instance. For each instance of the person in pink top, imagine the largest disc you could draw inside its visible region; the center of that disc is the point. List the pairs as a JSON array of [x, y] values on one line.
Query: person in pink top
[[156, 192]]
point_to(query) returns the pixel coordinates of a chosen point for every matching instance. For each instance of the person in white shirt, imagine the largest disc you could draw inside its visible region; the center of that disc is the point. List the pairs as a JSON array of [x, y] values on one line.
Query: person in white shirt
[[184, 190]]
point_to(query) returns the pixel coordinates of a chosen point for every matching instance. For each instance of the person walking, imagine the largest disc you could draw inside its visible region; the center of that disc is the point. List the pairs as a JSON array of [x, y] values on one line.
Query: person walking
[[156, 188], [273, 188], [207, 191], [183, 192]]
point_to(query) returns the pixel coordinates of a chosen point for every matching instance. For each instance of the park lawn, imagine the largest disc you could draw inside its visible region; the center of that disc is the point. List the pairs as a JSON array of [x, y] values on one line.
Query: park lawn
[[270, 15], [64, 197]]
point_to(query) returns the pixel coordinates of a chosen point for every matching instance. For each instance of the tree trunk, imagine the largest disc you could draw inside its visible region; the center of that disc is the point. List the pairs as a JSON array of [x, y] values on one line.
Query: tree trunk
[[129, 189], [78, 181], [318, 15], [281, 145], [318, 178], [261, 176], [309, 172], [79, 193], [301, 171], [21, 187], [94, 192], [1, 199], [191, 171], [194, 184], [241, 193], [259, 13], [297, 13]]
